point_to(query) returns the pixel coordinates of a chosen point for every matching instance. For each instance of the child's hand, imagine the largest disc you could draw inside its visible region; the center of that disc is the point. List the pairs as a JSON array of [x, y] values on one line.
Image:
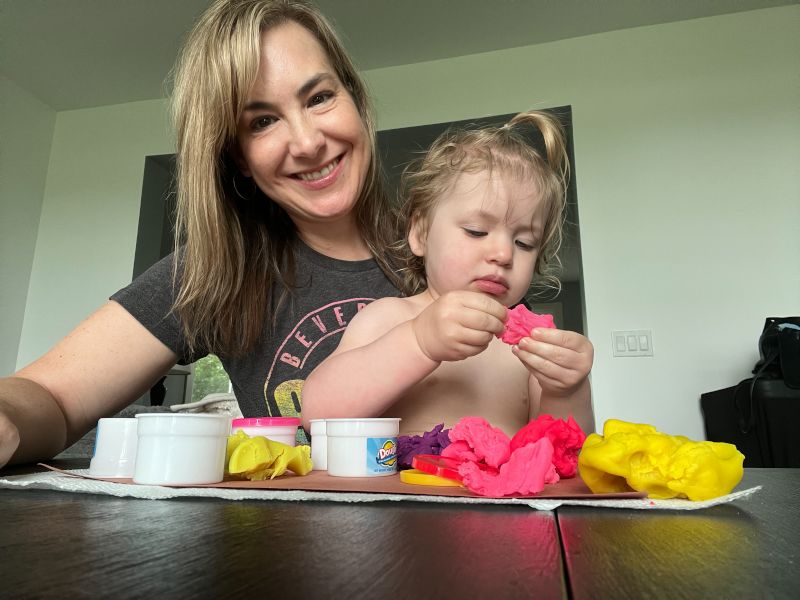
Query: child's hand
[[458, 325], [560, 360]]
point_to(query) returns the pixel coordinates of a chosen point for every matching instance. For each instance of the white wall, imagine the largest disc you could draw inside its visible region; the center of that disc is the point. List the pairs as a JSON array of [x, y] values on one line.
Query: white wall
[[90, 216], [26, 128], [687, 141], [687, 146]]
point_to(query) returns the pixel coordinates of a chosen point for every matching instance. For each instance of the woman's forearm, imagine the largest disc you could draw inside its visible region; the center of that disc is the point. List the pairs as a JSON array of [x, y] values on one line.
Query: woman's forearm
[[32, 424]]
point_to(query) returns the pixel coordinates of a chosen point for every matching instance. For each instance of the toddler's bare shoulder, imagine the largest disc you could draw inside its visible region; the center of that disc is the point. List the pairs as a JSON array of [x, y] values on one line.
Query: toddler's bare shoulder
[[379, 316]]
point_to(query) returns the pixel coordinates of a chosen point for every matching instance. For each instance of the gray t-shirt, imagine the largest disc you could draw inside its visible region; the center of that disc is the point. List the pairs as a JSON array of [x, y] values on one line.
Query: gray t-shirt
[[268, 380]]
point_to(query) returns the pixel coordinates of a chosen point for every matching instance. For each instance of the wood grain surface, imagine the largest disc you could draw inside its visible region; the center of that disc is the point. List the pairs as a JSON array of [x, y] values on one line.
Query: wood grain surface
[[66, 545], [746, 549]]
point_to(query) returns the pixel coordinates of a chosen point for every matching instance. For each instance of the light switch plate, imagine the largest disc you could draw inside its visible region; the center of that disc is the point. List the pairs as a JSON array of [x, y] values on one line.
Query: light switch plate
[[633, 342]]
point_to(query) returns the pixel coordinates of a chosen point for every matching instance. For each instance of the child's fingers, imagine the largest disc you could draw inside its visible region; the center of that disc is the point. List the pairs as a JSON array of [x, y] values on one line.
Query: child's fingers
[[549, 374], [561, 337], [558, 355], [541, 354], [480, 321], [485, 304], [541, 364]]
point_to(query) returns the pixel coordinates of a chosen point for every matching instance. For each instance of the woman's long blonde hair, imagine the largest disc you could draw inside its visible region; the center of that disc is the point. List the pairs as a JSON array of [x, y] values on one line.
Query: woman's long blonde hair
[[233, 246], [504, 149]]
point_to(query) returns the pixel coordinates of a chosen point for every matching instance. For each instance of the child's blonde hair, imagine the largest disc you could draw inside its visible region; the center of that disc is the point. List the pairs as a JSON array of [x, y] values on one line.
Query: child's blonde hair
[[502, 148]]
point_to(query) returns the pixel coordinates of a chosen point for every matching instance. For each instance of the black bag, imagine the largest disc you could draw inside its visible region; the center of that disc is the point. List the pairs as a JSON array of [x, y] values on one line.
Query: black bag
[[779, 350], [773, 440], [761, 415]]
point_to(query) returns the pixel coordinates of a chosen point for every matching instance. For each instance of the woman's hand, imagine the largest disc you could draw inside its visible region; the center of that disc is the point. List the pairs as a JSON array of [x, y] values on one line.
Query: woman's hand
[[559, 360], [458, 325]]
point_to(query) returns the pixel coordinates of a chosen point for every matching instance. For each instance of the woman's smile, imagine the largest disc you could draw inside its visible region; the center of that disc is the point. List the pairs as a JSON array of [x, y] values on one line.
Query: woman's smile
[[322, 177]]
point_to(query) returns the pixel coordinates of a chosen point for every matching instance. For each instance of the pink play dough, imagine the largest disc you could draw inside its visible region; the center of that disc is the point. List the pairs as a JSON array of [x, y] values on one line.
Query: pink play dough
[[528, 470], [567, 439], [520, 322], [542, 452], [489, 444]]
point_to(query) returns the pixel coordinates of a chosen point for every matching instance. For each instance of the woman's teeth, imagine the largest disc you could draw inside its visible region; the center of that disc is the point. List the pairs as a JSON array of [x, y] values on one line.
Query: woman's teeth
[[313, 176]]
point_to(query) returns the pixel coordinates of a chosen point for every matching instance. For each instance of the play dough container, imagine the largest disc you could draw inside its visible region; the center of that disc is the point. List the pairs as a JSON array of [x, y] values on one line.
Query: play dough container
[[362, 447], [114, 448], [278, 429], [184, 449], [319, 444]]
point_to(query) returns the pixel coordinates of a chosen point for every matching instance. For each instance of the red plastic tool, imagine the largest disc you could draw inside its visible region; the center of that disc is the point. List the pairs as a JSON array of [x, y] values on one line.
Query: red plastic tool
[[437, 465]]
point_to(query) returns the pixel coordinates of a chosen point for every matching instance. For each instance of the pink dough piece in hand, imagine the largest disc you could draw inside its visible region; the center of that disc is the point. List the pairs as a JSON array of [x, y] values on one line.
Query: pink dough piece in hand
[[520, 322], [528, 470], [567, 438], [489, 444]]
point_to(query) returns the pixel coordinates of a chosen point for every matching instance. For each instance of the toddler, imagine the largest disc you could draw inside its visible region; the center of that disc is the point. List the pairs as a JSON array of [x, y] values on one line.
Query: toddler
[[482, 212]]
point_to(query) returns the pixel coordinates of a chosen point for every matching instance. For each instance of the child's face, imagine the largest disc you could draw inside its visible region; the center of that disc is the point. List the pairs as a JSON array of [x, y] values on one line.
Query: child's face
[[483, 236]]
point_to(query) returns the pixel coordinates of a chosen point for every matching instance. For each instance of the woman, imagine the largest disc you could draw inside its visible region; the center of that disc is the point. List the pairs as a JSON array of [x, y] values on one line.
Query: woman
[[280, 235]]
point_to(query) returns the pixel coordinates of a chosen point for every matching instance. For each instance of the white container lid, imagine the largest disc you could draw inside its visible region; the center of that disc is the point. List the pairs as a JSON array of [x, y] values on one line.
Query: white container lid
[[182, 424], [381, 427]]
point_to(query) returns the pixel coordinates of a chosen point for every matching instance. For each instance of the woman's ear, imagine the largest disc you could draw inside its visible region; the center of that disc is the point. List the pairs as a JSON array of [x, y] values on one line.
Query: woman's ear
[[417, 234]]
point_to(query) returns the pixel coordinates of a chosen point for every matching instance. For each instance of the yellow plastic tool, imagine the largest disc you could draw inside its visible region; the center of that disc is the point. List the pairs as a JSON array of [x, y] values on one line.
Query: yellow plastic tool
[[415, 477]]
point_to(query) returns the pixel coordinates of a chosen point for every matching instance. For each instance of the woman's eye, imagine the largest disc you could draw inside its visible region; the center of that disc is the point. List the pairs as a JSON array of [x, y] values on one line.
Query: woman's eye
[[262, 123], [319, 98]]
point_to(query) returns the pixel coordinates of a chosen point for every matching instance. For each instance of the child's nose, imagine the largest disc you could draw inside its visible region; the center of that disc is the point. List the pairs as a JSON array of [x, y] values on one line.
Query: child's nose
[[501, 252], [306, 138]]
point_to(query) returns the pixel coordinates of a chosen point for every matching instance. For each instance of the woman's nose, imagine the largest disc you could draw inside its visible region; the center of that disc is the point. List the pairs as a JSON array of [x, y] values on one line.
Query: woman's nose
[[306, 138]]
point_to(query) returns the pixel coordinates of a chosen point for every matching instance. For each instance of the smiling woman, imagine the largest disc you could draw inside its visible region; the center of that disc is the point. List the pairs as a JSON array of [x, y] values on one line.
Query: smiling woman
[[281, 235]]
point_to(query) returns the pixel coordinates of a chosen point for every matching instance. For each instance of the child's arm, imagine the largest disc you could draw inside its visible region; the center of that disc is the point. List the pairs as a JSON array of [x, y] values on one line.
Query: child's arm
[[559, 363], [386, 350]]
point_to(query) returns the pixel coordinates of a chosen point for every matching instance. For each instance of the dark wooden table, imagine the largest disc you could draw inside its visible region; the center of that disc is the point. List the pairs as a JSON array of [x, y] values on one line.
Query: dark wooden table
[[66, 545], [745, 549]]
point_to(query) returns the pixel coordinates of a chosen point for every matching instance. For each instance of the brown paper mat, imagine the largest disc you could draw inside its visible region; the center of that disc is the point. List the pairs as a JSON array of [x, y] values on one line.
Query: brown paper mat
[[320, 481]]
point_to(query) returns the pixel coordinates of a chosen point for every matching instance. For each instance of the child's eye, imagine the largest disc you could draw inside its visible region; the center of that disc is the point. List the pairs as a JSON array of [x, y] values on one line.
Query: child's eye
[[474, 232], [262, 123], [320, 98], [525, 246]]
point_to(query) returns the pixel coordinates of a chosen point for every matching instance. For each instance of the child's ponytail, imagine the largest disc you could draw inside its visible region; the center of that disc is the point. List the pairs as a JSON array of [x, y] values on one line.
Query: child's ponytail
[[554, 140], [553, 177]]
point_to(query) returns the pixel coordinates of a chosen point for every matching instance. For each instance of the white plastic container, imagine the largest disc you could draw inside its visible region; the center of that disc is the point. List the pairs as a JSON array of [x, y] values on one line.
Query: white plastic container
[[362, 447], [115, 444], [278, 429], [319, 445], [184, 449]]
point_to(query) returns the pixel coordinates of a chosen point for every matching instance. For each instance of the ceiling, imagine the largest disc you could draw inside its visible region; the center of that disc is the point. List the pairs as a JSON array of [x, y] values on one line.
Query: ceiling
[[83, 53]]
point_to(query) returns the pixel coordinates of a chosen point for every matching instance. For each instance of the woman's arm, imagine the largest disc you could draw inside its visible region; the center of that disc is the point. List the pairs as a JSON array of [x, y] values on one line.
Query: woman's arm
[[102, 366]]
